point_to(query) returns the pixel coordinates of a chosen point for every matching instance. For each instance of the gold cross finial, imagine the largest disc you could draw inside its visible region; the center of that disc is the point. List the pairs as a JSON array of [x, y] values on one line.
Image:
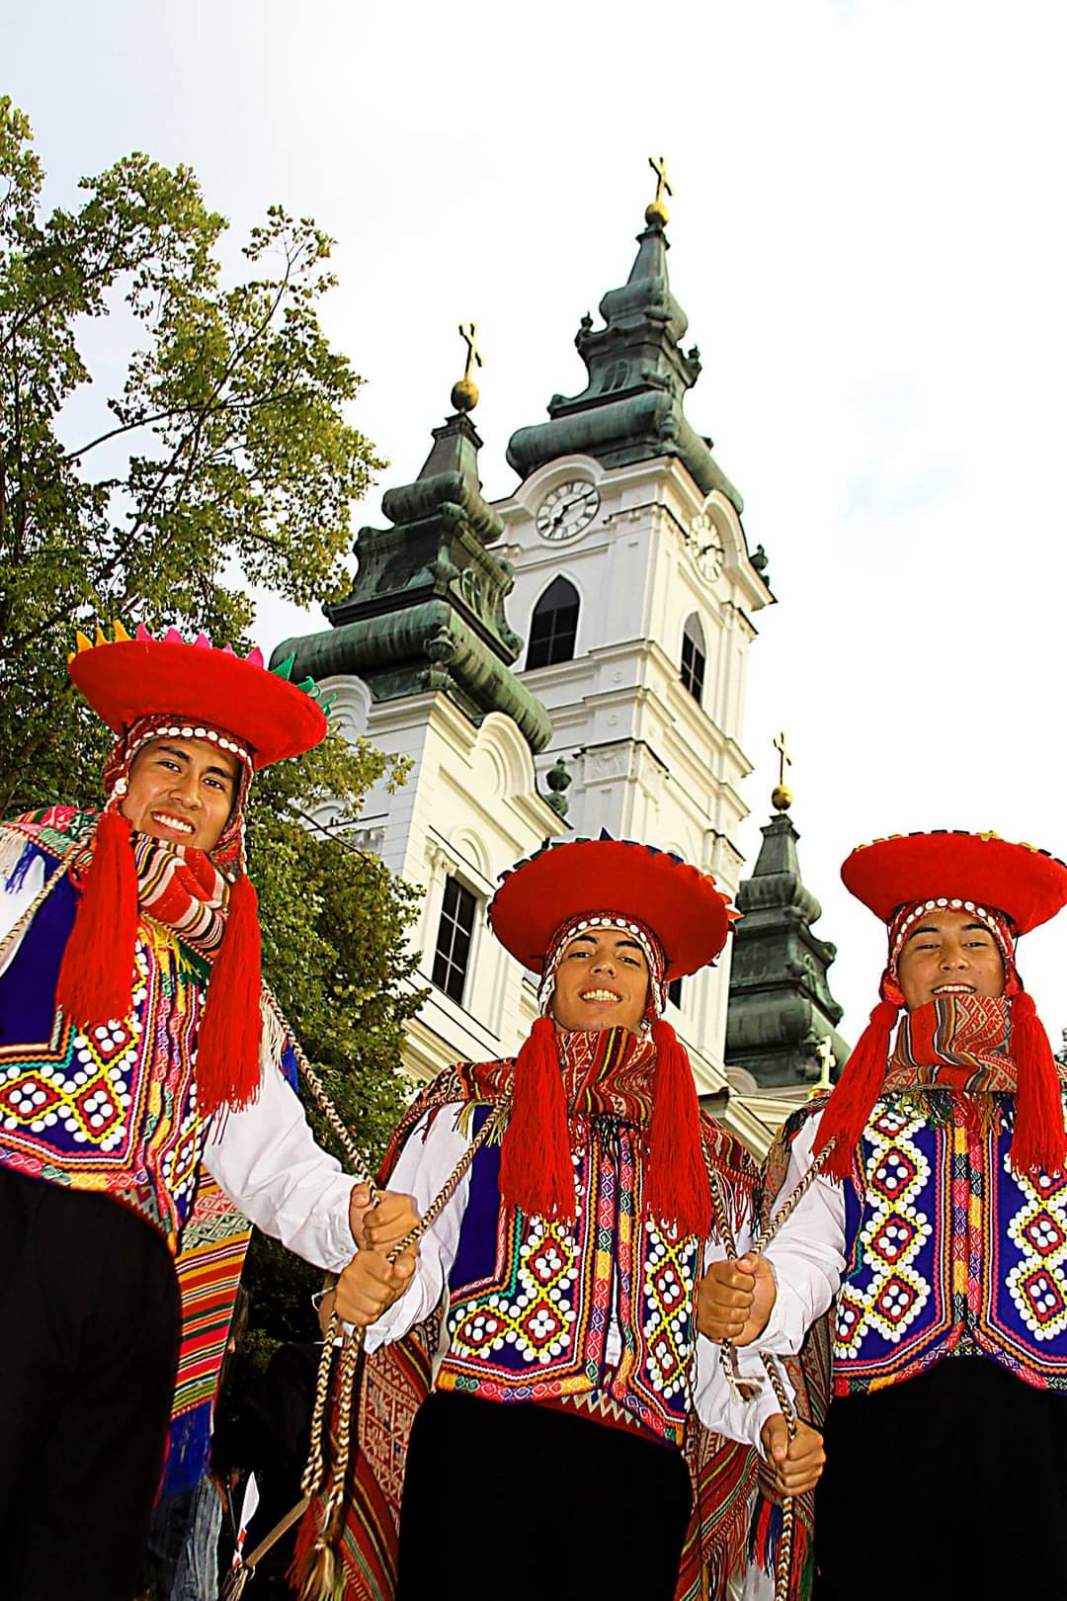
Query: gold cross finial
[[469, 335], [782, 795], [784, 758], [465, 393], [656, 210]]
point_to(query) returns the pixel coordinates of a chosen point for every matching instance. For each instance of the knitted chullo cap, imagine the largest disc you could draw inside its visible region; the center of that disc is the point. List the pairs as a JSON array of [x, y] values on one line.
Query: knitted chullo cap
[[144, 689], [1011, 888], [681, 921]]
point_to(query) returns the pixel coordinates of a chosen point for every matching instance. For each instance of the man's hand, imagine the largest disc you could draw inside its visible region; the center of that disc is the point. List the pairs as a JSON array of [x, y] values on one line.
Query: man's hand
[[735, 1299], [370, 1284], [797, 1463], [380, 1227]]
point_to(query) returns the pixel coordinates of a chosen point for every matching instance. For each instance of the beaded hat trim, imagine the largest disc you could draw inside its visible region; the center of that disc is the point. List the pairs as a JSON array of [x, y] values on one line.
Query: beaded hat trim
[[650, 945]]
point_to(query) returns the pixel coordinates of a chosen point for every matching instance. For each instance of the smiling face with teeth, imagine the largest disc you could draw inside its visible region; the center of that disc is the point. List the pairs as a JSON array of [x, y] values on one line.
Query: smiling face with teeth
[[601, 981], [181, 790], [948, 953]]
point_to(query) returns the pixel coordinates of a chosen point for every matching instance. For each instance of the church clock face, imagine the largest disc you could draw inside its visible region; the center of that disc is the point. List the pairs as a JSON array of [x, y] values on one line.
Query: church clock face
[[567, 509], [706, 547]]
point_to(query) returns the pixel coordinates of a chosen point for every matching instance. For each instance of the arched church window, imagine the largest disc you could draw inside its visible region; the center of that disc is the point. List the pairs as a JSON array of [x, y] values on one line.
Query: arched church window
[[554, 625], [694, 658], [454, 934]]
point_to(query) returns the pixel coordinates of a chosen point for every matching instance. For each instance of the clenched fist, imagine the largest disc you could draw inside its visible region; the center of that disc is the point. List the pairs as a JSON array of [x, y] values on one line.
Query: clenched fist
[[797, 1463], [370, 1284], [380, 1227], [735, 1299]]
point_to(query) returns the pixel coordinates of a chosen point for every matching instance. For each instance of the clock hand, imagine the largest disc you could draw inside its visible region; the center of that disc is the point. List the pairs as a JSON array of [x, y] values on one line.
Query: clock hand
[[561, 511]]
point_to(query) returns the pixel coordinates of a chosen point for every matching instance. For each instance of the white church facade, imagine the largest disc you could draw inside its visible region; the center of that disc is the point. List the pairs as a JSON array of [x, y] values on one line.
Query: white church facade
[[569, 660]]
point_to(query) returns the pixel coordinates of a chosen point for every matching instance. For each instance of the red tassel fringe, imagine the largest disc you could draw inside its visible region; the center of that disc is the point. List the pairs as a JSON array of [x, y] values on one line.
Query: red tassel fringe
[[1039, 1144], [96, 976], [857, 1090], [678, 1190], [306, 1535], [227, 1057], [535, 1158]]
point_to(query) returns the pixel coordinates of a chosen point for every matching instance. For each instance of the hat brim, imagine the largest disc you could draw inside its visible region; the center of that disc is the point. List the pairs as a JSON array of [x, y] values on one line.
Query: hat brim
[[682, 906], [1028, 885], [199, 684]]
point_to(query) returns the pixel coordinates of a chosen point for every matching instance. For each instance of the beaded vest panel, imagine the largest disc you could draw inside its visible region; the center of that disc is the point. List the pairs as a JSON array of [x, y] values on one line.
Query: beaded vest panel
[[531, 1301], [950, 1253], [114, 1110]]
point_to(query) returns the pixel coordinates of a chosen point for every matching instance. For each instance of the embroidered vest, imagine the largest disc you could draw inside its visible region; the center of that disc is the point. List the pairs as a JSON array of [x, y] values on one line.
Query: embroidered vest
[[114, 1111], [530, 1301], [949, 1252]]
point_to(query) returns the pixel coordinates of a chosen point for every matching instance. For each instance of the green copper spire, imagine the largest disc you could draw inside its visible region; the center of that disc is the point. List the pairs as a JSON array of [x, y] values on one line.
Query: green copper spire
[[780, 1005], [427, 610], [632, 408]]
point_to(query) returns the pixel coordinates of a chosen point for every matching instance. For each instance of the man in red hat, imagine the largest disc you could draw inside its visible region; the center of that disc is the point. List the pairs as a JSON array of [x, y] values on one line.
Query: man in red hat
[[566, 1431], [939, 1223], [133, 1047]]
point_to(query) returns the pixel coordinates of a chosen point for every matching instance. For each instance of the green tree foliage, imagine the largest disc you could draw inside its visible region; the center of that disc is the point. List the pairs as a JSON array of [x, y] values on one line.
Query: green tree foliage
[[219, 459]]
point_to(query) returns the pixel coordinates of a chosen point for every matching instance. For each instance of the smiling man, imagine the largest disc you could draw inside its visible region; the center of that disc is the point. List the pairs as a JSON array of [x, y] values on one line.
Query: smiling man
[[566, 1434], [134, 1051], [939, 1225]]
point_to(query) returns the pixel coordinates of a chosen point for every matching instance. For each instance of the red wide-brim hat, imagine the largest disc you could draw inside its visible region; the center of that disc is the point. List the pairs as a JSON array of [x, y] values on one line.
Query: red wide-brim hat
[[618, 878], [1028, 885], [126, 679]]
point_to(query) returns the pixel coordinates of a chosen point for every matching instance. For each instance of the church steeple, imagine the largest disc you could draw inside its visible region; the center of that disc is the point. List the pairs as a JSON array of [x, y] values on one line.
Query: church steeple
[[427, 609], [632, 407], [780, 1007]]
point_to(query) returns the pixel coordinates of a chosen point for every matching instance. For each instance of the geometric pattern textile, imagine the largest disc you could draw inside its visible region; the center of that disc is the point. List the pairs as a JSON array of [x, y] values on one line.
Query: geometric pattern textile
[[949, 1251], [115, 1108], [531, 1300], [396, 1378], [208, 1267]]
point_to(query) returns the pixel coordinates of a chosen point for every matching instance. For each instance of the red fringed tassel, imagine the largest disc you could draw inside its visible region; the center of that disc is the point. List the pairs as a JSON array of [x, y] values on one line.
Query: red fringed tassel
[[96, 977], [678, 1191], [227, 1056], [1039, 1144], [535, 1158], [306, 1535], [857, 1090]]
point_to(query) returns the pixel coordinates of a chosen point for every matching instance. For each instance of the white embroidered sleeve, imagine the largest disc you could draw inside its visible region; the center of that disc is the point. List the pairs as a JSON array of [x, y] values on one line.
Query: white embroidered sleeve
[[266, 1159], [807, 1255], [716, 1406], [424, 1165]]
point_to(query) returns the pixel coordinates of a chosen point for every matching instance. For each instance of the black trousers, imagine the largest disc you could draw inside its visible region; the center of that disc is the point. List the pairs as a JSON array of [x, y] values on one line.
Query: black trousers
[[520, 1502], [949, 1487], [89, 1329]]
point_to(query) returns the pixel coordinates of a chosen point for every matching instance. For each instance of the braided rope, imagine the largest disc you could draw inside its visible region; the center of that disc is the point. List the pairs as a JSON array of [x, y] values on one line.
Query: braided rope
[[315, 1467], [728, 1351], [324, 1581], [766, 1234], [322, 1100]]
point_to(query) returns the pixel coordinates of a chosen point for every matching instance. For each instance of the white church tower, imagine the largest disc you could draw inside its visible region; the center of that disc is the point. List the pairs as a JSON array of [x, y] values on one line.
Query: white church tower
[[605, 690], [635, 594]]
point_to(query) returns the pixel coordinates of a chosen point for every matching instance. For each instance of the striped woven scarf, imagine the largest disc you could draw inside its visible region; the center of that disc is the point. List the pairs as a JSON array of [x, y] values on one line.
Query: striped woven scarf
[[957, 1042], [177, 885]]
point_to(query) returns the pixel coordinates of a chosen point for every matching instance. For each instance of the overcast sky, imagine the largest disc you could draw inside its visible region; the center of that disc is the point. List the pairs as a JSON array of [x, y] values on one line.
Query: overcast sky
[[866, 234]]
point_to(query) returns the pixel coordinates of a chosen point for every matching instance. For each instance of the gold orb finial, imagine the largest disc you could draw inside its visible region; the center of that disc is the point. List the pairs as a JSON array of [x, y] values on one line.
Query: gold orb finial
[[465, 392], [781, 794], [656, 211]]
